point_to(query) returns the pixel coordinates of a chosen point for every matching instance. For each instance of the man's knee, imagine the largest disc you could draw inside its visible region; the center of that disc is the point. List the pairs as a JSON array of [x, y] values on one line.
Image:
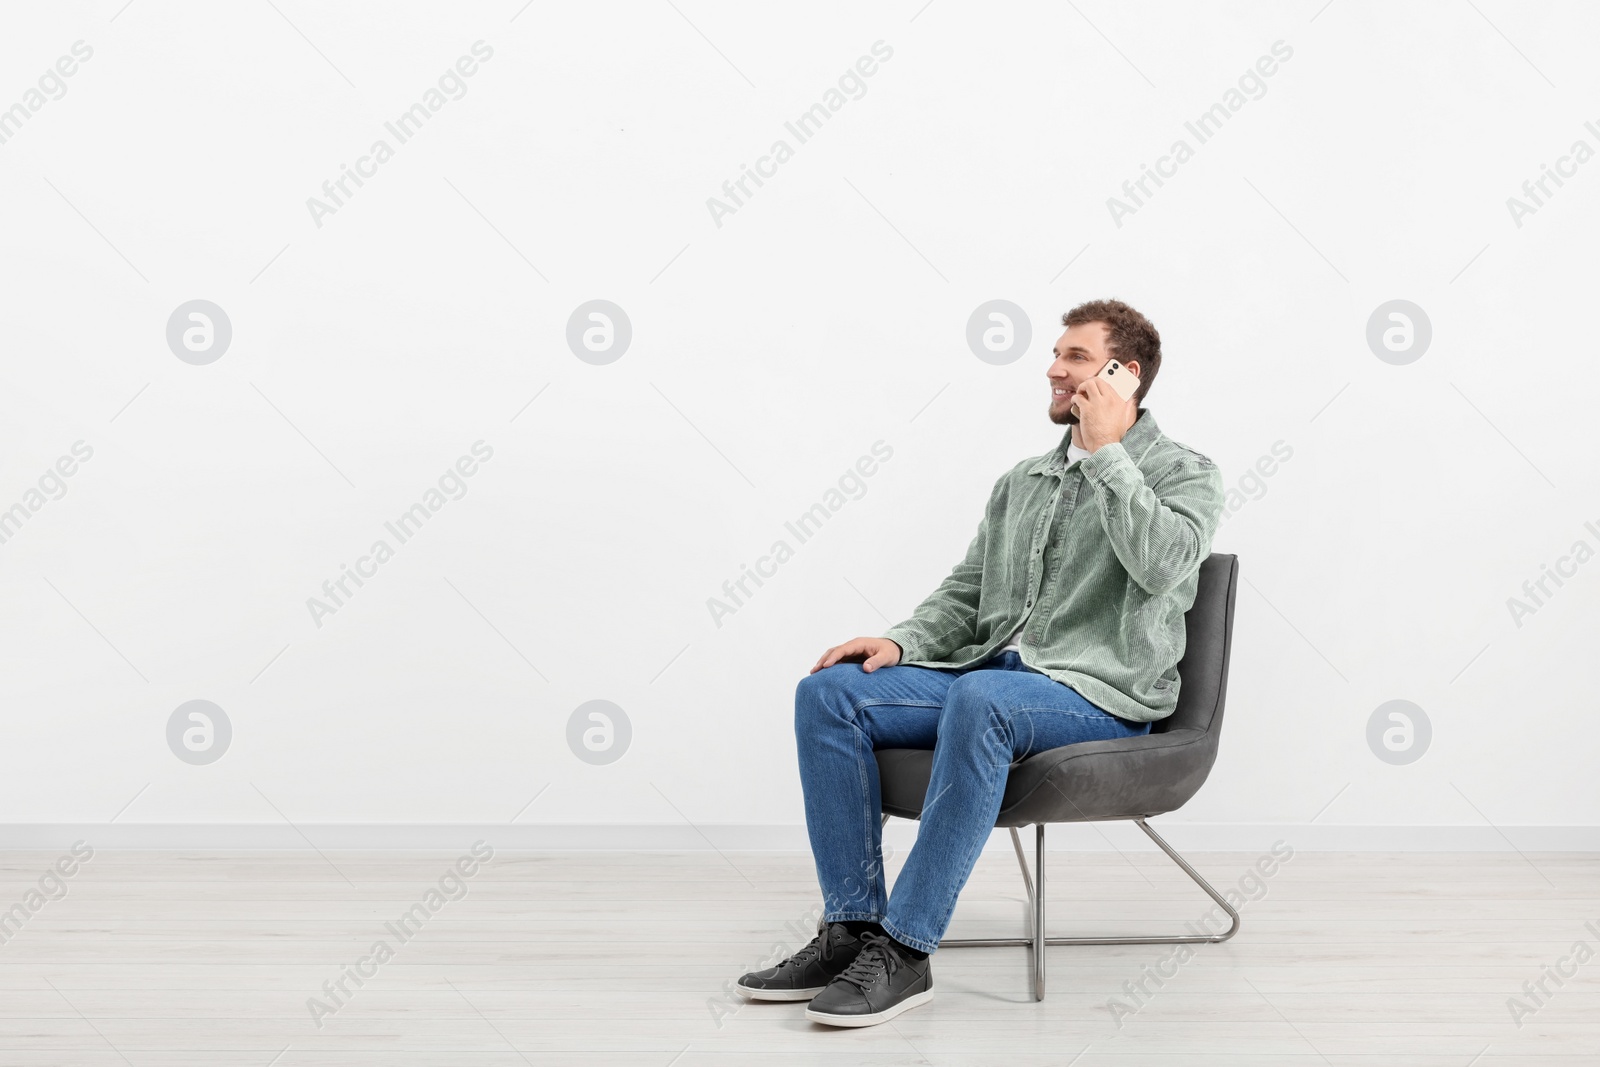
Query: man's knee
[[971, 695], [824, 695], [972, 708]]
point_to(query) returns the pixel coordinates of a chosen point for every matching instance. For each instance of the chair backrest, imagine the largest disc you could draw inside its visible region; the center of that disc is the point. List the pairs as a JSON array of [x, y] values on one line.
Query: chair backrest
[[1203, 670]]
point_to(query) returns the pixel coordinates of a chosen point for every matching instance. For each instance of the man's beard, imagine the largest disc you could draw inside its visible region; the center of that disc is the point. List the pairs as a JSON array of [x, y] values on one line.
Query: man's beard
[[1064, 417]]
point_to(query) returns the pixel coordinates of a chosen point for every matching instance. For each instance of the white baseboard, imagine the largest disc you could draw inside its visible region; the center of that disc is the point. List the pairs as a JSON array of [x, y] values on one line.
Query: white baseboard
[[1098, 837]]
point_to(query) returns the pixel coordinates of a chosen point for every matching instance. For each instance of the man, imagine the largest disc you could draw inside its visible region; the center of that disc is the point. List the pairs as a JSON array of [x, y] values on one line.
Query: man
[[1063, 624]]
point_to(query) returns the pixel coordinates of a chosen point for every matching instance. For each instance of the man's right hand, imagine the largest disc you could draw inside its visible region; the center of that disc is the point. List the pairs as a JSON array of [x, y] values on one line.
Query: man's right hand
[[870, 652]]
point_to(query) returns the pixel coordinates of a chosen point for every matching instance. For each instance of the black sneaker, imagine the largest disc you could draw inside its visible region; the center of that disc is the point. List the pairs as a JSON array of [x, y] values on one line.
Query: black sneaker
[[807, 972], [877, 986]]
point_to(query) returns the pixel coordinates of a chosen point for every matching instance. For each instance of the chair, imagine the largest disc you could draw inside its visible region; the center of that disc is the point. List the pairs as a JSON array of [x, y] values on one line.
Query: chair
[[1094, 781]]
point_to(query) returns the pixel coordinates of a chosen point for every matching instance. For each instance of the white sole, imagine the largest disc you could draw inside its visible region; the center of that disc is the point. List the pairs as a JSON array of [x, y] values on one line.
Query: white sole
[[778, 994], [870, 1020]]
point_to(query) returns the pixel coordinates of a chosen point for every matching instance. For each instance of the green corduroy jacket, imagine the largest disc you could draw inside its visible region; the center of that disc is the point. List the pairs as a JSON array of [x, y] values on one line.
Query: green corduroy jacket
[[1101, 557]]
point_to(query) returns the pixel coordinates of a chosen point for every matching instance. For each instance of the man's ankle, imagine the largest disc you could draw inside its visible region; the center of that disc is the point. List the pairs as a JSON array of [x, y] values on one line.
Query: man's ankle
[[906, 950], [857, 927]]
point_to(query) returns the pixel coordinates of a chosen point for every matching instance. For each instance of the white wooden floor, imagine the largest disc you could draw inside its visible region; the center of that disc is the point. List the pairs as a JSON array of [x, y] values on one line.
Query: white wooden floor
[[208, 959]]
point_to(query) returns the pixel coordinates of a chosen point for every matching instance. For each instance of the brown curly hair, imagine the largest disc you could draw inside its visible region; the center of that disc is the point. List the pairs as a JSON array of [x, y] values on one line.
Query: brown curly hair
[[1131, 337]]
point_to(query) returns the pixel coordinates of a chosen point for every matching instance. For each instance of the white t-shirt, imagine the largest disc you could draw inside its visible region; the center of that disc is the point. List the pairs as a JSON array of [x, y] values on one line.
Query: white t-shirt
[[1074, 453]]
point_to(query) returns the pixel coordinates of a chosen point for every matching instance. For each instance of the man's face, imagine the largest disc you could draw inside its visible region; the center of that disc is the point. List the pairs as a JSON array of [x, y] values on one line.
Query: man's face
[[1080, 353]]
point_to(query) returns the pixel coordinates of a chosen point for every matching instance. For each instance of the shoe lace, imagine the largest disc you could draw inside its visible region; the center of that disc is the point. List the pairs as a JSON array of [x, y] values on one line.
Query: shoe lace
[[876, 958], [819, 947]]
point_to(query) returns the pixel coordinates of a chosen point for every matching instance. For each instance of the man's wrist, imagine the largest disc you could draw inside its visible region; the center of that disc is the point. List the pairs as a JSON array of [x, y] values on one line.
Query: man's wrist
[[1099, 457], [1092, 447], [898, 643]]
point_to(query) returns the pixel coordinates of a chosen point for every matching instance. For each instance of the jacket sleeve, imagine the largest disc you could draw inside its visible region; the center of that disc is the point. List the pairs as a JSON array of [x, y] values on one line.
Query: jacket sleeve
[[948, 618], [1162, 536]]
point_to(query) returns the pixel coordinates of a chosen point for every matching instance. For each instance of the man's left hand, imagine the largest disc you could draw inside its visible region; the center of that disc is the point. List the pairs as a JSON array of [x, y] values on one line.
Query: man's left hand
[[1103, 415]]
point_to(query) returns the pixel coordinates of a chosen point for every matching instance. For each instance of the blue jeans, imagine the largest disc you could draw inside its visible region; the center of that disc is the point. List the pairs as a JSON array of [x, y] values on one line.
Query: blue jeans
[[977, 720]]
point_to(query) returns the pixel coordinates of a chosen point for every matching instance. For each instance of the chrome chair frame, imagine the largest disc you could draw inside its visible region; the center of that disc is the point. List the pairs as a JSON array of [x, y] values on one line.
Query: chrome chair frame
[[1037, 939]]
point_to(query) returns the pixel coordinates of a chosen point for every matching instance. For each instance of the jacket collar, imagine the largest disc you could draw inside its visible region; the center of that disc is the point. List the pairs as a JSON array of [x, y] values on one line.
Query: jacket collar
[[1140, 436]]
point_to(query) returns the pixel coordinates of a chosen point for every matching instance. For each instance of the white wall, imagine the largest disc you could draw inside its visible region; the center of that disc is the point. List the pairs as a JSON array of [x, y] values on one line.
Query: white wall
[[768, 353]]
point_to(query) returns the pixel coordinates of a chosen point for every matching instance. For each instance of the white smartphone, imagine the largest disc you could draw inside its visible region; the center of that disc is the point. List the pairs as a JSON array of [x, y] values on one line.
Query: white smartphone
[[1122, 381]]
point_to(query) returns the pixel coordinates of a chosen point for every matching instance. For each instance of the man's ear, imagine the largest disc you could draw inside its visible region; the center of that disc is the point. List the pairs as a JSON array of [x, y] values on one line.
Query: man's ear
[[1134, 367]]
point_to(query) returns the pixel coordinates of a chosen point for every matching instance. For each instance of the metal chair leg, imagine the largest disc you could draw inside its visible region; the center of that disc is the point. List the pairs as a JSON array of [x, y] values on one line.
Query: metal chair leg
[[1172, 853], [1039, 940], [1022, 863]]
